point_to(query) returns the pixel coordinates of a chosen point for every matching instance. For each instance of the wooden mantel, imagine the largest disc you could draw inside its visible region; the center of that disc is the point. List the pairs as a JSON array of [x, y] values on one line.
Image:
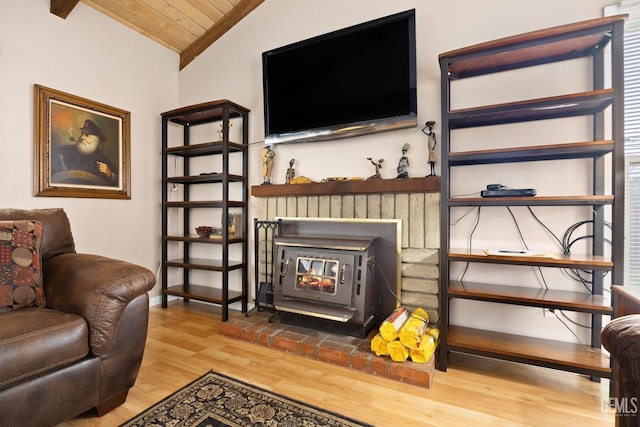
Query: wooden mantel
[[430, 184]]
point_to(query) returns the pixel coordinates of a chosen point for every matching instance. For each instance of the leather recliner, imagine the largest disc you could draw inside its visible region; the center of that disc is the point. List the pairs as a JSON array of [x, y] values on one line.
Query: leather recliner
[[621, 337], [84, 349]]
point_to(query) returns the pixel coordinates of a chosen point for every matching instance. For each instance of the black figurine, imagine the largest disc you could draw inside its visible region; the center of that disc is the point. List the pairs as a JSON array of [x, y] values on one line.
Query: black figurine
[[291, 172], [431, 143], [403, 164]]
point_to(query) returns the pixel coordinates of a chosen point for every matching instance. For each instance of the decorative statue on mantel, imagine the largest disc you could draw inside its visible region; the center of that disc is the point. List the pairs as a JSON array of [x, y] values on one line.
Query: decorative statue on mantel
[[220, 131], [267, 164], [378, 165], [291, 172], [431, 144], [403, 164]]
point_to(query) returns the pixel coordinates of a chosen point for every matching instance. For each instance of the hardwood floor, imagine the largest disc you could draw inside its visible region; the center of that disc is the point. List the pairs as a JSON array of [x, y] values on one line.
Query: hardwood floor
[[185, 341]]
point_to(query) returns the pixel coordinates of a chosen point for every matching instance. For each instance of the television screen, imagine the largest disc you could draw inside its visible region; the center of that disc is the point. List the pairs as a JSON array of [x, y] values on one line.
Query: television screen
[[353, 81]]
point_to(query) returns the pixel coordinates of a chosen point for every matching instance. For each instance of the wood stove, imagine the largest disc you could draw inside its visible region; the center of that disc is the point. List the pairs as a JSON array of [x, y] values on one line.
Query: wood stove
[[330, 282]]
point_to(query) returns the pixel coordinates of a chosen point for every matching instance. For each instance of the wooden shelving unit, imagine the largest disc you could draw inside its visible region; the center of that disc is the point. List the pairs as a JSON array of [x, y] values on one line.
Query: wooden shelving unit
[[183, 238], [586, 40]]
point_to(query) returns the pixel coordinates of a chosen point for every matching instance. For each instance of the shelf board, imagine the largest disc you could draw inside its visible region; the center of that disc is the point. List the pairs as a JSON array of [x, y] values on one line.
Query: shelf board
[[577, 104], [593, 200], [536, 351], [213, 178], [538, 47], [204, 149], [430, 184], [203, 204], [203, 293], [205, 112], [198, 239], [203, 264], [589, 262], [532, 297], [576, 150]]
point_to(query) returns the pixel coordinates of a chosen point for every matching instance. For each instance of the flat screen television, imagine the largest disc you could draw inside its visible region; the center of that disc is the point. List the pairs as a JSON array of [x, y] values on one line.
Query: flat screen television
[[354, 81]]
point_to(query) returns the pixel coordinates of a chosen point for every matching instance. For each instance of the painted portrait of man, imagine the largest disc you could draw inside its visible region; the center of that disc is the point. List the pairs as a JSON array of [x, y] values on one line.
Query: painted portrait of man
[[85, 148]]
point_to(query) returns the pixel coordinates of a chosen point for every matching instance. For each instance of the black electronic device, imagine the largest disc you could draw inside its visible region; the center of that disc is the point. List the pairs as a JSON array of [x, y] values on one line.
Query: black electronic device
[[496, 187], [349, 82], [510, 192]]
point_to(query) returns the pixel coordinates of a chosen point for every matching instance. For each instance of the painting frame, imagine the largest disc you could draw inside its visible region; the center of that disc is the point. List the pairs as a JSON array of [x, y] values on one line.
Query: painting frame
[[82, 147]]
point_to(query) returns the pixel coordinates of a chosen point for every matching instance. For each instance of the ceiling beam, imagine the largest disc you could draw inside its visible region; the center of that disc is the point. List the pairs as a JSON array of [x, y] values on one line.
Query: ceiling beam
[[239, 11], [62, 8]]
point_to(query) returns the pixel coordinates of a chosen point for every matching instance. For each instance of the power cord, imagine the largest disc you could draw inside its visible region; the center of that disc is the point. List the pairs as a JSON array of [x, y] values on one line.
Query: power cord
[[515, 222], [565, 244], [587, 347], [568, 242], [462, 217], [574, 274], [384, 277], [169, 210], [524, 243], [544, 226], [475, 226]]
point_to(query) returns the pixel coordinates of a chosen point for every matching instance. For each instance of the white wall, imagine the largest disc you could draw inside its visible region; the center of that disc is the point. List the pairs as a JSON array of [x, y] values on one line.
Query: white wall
[[91, 56], [94, 57], [231, 68]]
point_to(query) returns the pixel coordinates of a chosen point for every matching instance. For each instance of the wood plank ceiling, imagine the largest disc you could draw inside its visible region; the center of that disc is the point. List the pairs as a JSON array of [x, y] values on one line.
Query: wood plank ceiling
[[187, 27]]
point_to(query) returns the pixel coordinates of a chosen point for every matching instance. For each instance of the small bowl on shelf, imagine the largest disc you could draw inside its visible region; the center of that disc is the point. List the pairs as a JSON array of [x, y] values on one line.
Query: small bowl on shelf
[[204, 230]]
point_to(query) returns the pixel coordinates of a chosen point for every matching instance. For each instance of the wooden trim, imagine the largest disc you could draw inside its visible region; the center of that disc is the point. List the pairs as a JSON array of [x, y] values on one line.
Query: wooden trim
[[590, 200], [586, 261], [430, 184], [508, 42], [554, 107], [532, 153], [536, 351], [236, 14], [531, 297], [626, 300], [62, 8]]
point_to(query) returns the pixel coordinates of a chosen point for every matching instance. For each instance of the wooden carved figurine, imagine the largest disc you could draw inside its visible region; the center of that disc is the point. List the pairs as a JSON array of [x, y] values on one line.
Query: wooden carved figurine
[[378, 165]]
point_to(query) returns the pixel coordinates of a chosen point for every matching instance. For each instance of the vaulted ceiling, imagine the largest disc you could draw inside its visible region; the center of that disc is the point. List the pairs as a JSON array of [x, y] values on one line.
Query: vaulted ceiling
[[187, 27]]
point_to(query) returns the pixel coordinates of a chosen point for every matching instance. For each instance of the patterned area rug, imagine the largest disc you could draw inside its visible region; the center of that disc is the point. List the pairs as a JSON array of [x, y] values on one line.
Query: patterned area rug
[[218, 400]]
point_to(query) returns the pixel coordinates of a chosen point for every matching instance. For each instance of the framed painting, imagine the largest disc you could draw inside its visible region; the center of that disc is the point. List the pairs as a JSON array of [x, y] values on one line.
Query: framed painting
[[82, 147]]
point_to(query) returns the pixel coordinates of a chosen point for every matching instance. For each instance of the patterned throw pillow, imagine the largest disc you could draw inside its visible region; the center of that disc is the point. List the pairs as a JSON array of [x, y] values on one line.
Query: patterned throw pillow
[[20, 265]]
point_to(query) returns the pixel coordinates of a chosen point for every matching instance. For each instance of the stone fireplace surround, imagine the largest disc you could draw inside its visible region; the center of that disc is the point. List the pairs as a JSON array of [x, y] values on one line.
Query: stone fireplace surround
[[415, 202]]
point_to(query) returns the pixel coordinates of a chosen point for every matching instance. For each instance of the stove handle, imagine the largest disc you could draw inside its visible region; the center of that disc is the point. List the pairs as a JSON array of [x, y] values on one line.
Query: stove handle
[[342, 272], [284, 268]]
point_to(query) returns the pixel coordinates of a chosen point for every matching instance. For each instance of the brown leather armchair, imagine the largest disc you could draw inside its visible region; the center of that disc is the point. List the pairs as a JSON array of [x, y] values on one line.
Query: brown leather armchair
[[621, 337], [84, 349]]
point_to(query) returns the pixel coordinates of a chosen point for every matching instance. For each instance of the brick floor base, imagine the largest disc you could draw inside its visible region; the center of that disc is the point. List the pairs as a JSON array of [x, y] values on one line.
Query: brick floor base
[[351, 352]]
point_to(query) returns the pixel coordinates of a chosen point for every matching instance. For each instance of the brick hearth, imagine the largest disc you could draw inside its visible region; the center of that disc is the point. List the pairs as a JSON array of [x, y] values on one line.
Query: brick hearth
[[351, 352]]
